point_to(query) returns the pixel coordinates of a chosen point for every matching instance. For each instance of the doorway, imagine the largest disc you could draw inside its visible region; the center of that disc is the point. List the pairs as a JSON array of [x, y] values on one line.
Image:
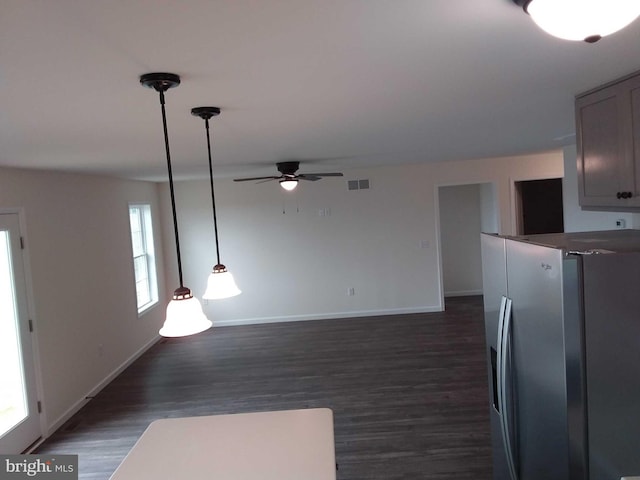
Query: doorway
[[538, 205], [19, 417], [464, 211]]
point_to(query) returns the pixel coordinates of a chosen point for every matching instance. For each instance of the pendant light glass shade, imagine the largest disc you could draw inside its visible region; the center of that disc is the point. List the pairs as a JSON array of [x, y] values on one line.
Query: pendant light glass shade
[[184, 312], [289, 184], [587, 20], [221, 284], [184, 317]]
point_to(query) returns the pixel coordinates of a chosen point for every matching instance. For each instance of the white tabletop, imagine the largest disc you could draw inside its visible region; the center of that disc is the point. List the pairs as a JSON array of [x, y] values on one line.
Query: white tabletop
[[284, 445]]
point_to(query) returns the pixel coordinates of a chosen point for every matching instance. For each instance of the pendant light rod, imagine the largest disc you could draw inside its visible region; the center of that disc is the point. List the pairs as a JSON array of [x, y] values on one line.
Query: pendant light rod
[[206, 113], [161, 82], [173, 195]]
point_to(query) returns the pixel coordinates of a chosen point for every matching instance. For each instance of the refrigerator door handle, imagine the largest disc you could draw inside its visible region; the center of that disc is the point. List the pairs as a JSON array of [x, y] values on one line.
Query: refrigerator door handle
[[499, 354], [504, 332]]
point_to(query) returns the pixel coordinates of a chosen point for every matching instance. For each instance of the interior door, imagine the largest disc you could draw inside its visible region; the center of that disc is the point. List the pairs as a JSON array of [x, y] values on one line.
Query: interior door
[[19, 418]]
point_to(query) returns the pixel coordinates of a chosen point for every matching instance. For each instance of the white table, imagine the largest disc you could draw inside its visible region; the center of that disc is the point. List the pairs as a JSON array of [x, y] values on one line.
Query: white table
[[284, 445]]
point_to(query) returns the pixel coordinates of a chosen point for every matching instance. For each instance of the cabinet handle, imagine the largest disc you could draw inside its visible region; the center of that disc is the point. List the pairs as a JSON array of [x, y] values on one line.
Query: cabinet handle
[[624, 195]]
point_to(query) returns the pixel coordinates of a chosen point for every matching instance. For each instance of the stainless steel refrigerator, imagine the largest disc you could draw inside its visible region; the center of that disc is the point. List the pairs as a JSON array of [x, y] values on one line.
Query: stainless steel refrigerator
[[562, 320]]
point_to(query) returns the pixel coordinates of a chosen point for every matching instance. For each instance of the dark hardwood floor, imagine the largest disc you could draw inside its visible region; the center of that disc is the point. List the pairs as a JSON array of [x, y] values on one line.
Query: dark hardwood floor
[[408, 392]]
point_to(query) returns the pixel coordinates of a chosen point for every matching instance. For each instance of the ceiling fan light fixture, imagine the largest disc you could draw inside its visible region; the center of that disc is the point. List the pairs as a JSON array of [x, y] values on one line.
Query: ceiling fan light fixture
[[288, 178], [289, 183], [221, 284], [578, 20]]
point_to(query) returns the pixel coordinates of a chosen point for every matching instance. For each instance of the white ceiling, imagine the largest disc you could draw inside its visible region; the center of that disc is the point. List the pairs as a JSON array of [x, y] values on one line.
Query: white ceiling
[[354, 82]]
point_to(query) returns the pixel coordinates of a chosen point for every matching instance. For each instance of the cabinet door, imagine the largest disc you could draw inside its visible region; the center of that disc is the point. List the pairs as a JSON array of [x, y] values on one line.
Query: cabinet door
[[604, 165], [608, 139], [634, 93]]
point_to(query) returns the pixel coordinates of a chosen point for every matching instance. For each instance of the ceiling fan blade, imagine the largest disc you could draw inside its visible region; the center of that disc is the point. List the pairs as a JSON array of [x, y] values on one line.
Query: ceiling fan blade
[[254, 178], [268, 179], [310, 177], [332, 174]]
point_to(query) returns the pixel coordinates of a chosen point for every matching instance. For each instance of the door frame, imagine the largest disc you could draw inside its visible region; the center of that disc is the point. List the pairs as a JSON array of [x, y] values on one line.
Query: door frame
[[22, 225], [438, 232], [516, 199]]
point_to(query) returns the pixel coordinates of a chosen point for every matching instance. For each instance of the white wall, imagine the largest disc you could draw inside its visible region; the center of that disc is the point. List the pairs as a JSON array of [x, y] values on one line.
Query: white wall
[[489, 222], [299, 265], [460, 226], [82, 289], [578, 220]]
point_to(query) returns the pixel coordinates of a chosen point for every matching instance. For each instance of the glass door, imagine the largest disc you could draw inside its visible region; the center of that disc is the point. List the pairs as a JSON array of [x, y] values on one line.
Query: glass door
[[19, 418]]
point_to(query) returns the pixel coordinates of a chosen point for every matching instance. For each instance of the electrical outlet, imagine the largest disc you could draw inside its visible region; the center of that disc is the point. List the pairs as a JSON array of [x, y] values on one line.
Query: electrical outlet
[[621, 223], [351, 291]]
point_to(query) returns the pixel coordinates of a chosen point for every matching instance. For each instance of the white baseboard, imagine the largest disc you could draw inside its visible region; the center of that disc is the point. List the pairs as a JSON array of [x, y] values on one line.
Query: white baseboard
[[463, 293], [95, 390], [326, 316]]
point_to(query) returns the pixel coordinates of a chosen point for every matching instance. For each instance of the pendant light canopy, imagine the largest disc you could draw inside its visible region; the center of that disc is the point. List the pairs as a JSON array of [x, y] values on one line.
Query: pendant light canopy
[[220, 283], [184, 312], [587, 20]]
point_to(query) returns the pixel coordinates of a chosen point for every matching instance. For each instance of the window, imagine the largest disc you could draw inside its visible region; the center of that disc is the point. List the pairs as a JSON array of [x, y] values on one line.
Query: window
[[143, 256]]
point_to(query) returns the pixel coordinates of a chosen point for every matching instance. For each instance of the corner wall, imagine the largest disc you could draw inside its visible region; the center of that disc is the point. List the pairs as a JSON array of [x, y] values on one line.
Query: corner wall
[[82, 289]]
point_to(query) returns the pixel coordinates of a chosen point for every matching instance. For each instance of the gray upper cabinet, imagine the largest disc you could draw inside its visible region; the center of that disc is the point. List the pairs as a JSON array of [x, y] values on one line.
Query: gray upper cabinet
[[608, 140]]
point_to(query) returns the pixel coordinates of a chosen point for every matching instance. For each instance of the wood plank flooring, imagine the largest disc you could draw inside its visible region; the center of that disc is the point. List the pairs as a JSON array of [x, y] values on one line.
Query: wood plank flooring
[[408, 392]]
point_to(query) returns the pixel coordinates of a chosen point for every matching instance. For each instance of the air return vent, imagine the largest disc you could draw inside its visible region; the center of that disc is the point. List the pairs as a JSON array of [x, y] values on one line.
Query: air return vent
[[358, 184]]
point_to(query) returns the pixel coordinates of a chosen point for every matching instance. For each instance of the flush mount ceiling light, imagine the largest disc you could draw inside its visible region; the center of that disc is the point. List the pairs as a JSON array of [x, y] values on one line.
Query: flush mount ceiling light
[[587, 20], [220, 283], [184, 312]]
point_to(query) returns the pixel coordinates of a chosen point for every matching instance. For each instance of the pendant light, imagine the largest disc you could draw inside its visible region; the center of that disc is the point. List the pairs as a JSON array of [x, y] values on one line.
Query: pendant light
[[587, 20], [184, 312], [220, 283]]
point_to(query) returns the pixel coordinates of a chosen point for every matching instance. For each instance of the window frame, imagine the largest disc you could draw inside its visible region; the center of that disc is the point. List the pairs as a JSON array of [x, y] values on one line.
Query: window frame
[[148, 246]]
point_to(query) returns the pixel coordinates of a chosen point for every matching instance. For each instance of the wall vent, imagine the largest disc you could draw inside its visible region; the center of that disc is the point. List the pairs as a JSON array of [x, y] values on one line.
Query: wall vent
[[358, 184]]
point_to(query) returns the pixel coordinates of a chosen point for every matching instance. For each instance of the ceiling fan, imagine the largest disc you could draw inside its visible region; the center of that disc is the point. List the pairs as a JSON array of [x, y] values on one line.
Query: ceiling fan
[[289, 179]]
